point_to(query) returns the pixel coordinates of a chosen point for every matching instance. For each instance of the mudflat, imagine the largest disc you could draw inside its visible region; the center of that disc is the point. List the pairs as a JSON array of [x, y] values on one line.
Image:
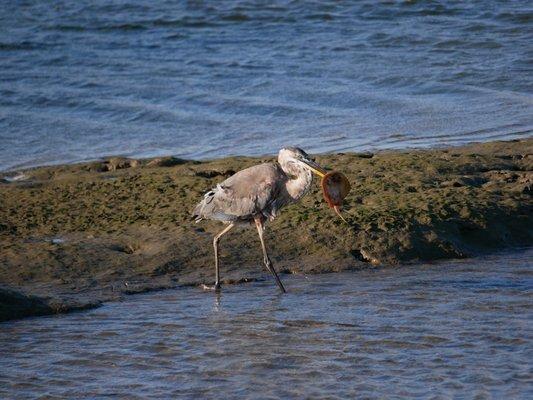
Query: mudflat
[[72, 236]]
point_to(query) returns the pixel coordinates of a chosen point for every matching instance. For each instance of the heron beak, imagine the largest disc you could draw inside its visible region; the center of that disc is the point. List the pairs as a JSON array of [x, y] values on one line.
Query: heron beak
[[314, 167]]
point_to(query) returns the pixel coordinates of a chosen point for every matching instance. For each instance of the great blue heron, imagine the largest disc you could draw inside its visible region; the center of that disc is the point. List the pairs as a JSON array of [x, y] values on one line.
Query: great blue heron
[[256, 194]]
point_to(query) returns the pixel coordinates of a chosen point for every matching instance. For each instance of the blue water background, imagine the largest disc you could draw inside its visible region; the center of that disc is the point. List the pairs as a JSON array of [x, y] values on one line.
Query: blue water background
[[84, 79]]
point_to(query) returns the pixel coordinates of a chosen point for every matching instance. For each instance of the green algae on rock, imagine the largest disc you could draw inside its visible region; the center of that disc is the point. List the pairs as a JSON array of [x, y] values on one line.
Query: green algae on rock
[[122, 226]]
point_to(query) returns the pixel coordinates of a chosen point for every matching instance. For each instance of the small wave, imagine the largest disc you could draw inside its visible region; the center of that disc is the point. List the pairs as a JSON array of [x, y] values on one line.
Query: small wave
[[493, 133], [25, 45], [134, 26], [320, 17], [68, 28], [450, 43], [123, 27], [428, 9], [235, 18], [176, 36], [183, 23], [80, 28], [518, 18]]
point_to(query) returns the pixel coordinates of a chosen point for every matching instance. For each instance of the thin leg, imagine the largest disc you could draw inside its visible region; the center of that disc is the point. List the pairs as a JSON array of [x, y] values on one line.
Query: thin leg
[[216, 239], [266, 259]]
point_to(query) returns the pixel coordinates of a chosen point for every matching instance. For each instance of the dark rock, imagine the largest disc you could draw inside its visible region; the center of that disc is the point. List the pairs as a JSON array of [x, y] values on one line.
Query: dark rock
[[475, 181], [165, 162], [119, 163], [364, 155], [17, 305]]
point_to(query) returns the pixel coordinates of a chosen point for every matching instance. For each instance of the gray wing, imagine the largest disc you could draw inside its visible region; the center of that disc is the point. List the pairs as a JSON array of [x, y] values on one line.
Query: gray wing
[[252, 191]]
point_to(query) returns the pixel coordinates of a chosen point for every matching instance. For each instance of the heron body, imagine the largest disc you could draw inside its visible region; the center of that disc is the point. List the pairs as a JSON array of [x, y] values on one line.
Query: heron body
[[257, 194]]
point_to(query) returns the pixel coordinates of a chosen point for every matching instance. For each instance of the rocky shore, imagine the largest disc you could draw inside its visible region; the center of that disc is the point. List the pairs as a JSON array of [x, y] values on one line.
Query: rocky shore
[[72, 236]]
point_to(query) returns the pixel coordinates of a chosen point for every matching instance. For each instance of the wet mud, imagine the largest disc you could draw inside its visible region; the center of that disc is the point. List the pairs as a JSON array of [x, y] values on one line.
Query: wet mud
[[72, 236]]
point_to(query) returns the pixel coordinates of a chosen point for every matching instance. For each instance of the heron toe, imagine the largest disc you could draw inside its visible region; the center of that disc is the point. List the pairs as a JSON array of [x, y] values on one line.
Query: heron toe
[[215, 287]]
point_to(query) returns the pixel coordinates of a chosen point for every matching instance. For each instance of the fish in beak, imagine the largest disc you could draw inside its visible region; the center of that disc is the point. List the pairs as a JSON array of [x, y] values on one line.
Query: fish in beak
[[335, 185]]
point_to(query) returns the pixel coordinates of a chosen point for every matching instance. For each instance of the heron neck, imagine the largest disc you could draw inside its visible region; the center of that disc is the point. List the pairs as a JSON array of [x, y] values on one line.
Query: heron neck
[[299, 186]]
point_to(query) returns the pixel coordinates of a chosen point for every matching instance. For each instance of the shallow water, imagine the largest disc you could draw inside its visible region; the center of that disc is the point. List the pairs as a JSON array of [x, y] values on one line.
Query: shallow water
[[88, 78], [459, 329]]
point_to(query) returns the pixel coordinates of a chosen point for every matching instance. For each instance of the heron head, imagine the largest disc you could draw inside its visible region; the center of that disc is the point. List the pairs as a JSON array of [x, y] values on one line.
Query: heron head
[[294, 159]]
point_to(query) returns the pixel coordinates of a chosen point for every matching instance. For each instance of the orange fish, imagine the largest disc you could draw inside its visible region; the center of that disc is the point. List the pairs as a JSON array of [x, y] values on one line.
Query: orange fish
[[335, 187]]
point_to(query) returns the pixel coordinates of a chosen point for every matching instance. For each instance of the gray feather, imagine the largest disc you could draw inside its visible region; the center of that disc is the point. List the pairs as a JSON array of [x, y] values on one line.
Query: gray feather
[[259, 191], [248, 193]]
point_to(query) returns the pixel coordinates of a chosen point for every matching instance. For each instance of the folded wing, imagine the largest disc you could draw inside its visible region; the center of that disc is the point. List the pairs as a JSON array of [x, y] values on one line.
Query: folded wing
[[257, 190]]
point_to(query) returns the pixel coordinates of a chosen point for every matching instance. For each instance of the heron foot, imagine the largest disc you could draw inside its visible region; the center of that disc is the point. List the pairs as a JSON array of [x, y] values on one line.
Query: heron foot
[[215, 287]]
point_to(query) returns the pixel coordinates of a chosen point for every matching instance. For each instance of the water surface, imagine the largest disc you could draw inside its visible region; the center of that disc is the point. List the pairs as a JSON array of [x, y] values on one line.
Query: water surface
[[84, 79], [459, 329]]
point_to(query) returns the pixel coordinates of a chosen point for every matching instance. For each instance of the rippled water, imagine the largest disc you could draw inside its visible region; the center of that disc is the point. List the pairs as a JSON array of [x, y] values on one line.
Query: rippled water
[[83, 79], [460, 329]]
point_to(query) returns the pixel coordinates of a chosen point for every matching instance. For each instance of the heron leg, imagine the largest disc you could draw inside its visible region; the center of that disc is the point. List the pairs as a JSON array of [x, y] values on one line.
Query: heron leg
[[216, 239], [266, 259]]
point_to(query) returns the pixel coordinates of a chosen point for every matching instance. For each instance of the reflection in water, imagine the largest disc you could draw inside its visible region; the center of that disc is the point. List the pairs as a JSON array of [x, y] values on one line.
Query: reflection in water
[[216, 304], [456, 329]]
